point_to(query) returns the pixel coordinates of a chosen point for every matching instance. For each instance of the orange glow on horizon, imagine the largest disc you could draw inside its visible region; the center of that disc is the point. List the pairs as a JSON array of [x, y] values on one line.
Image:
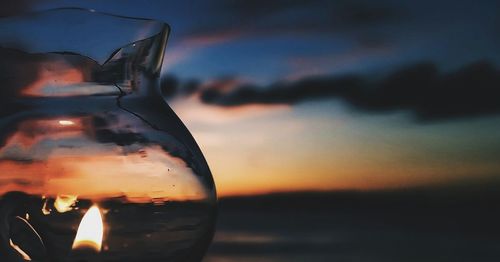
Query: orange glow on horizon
[[105, 175], [97, 171]]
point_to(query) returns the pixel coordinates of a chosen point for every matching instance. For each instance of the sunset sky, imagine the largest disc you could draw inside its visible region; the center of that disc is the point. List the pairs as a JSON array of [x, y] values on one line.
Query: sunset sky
[[324, 95]]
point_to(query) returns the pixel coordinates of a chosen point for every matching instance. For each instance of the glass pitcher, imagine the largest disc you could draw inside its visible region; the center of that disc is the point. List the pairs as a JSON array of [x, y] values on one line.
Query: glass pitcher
[[94, 165]]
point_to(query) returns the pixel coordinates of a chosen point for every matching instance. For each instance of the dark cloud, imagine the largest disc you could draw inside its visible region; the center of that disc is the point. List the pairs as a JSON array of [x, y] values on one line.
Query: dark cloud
[[17, 70], [358, 14], [421, 89], [8, 8], [119, 138], [331, 13], [100, 128], [259, 8], [170, 86], [20, 70], [241, 18], [107, 129]]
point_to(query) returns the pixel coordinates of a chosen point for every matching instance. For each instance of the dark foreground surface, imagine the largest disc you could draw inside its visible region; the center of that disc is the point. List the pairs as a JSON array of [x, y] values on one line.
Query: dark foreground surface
[[459, 224]]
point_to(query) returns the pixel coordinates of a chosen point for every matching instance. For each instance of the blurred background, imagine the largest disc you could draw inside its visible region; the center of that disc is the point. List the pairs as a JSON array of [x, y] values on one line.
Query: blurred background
[[338, 130]]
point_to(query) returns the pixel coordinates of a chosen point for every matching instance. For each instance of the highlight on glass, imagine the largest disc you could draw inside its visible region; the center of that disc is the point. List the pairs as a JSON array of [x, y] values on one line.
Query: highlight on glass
[[94, 165]]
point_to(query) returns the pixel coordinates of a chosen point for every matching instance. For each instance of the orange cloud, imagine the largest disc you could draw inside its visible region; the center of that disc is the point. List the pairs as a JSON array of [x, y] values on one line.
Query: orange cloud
[[95, 170], [141, 177], [55, 74], [32, 132]]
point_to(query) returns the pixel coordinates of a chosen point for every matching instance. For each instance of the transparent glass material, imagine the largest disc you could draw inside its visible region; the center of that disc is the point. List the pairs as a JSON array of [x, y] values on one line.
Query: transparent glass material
[[94, 165]]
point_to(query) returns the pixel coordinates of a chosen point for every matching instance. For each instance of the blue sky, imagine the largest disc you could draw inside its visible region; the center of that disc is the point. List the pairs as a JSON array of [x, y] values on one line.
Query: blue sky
[[381, 35], [335, 140]]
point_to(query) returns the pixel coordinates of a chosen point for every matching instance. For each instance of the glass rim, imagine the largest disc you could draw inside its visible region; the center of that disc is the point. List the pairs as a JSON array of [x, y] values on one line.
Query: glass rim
[[90, 10], [92, 33]]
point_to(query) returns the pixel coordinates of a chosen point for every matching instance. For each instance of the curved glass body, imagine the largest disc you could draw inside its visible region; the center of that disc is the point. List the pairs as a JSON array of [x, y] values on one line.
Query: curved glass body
[[94, 165]]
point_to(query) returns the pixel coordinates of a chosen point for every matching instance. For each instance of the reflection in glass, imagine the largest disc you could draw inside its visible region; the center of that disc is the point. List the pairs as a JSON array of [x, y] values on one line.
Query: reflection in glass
[[94, 165]]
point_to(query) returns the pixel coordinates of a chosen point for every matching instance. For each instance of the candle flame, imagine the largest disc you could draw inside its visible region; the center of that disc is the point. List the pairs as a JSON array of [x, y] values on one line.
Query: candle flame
[[90, 231]]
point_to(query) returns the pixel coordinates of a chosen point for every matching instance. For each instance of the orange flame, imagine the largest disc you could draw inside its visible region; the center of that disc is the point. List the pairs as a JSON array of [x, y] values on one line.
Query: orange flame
[[90, 231], [64, 203]]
